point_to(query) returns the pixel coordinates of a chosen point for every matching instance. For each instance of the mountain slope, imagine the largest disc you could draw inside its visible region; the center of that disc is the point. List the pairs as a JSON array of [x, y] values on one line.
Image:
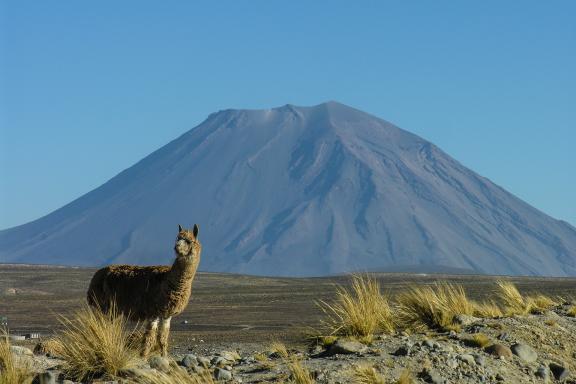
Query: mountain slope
[[300, 191]]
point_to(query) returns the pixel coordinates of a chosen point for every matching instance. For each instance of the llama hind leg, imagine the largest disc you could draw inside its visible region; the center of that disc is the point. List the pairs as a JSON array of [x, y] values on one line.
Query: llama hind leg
[[163, 336], [149, 338]]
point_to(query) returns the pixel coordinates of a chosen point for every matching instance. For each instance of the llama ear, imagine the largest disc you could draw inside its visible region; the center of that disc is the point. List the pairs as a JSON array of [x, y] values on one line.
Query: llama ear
[[180, 229], [195, 230]]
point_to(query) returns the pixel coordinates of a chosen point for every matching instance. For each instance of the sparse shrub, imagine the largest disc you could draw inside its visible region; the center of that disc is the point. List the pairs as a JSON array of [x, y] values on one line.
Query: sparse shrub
[[405, 377], [299, 374], [540, 303], [433, 306], [12, 371], [516, 304], [478, 340], [279, 349], [487, 309], [551, 322], [95, 344], [177, 375], [367, 374], [359, 312]]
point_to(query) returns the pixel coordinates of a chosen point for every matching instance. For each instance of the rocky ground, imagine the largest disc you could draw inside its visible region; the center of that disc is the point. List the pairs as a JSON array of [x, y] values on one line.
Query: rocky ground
[[535, 348]]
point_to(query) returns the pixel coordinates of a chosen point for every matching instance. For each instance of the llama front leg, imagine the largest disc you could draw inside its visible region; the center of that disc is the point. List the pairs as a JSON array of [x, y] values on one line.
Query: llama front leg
[[163, 336], [149, 338]]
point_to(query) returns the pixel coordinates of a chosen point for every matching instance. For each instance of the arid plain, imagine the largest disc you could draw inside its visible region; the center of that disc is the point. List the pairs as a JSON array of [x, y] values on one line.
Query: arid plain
[[226, 308]]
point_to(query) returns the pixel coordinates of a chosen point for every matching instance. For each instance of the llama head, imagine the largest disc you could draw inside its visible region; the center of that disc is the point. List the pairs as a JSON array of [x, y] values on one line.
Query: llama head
[[187, 244]]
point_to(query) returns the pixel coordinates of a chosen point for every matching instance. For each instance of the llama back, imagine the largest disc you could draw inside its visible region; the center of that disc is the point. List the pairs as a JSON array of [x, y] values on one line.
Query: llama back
[[133, 289]]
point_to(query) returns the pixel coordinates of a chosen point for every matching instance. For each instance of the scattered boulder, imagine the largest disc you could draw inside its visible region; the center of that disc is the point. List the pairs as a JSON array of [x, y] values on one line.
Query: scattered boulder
[[467, 358], [560, 371], [222, 374], [431, 376], [47, 377], [465, 320], [543, 373], [524, 352], [160, 363], [347, 347], [189, 361], [22, 351], [498, 350]]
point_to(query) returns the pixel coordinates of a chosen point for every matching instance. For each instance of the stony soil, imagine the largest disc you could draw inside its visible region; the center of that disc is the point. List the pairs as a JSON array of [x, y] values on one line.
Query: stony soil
[[529, 349]]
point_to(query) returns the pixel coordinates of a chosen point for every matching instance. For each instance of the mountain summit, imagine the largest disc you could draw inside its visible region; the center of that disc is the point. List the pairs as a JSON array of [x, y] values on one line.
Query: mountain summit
[[302, 191]]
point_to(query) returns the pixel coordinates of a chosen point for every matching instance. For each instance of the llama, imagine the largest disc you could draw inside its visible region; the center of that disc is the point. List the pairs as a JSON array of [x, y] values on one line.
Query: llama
[[151, 294]]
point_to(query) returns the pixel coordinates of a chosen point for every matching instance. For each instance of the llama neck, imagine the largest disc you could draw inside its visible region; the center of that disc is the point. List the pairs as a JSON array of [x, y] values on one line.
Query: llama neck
[[181, 274]]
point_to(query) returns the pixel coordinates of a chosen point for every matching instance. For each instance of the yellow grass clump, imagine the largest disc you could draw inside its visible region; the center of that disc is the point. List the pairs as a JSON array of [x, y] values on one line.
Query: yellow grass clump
[[177, 375], [279, 349], [479, 340], [12, 371], [405, 377], [367, 374], [299, 374], [94, 344], [540, 303], [487, 309], [572, 311], [433, 306], [360, 311], [516, 304]]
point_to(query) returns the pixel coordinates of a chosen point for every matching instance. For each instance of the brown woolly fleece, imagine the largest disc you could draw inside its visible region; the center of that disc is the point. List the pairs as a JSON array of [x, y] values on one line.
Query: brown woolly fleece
[[149, 293]]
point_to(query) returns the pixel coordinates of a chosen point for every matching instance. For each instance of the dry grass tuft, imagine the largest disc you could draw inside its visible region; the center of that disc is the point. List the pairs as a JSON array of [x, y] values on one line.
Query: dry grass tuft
[[177, 375], [12, 371], [279, 349], [95, 344], [478, 340], [405, 377], [571, 311], [516, 304], [540, 303], [433, 306], [299, 374], [359, 312], [487, 309], [367, 374]]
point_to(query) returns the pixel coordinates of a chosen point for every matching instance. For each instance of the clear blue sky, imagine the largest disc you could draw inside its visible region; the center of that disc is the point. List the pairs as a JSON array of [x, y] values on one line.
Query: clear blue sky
[[90, 87]]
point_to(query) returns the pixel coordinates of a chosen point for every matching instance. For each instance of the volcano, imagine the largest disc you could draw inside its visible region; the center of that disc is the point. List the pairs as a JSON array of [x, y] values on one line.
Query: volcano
[[301, 191]]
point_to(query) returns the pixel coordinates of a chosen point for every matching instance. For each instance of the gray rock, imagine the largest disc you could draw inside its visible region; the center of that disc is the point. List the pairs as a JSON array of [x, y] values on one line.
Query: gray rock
[[469, 359], [403, 350], [431, 376], [543, 373], [347, 347], [189, 361], [222, 374], [428, 343], [560, 371], [160, 363], [465, 320], [524, 352], [231, 356], [47, 377], [17, 350], [218, 361], [203, 361], [480, 360]]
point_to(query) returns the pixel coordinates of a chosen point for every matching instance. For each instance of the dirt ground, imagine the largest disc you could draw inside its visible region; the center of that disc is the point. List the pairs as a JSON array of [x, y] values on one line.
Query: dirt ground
[[224, 308]]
